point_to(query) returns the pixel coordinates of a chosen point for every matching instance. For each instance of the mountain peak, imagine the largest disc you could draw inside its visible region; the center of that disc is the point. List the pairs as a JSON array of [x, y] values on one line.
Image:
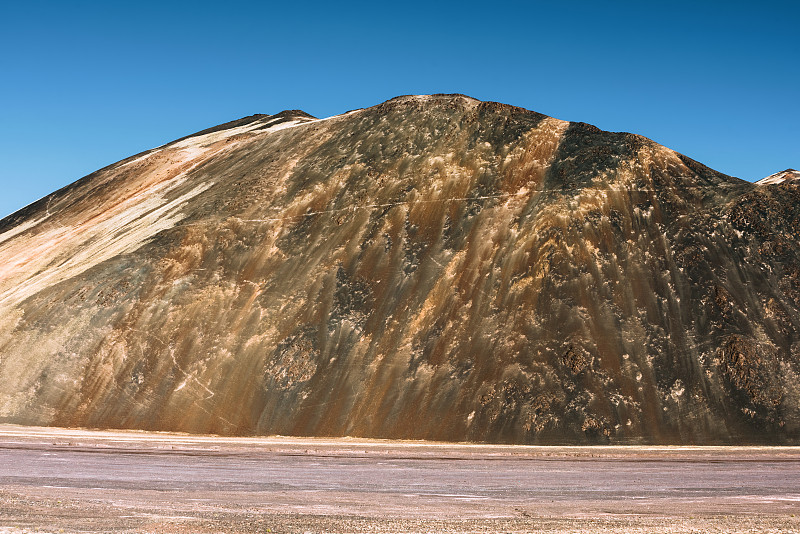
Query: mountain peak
[[438, 97], [294, 114], [789, 175]]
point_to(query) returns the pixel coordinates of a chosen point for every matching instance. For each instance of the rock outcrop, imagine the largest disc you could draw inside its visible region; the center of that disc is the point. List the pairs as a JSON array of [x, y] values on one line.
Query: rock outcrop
[[434, 267]]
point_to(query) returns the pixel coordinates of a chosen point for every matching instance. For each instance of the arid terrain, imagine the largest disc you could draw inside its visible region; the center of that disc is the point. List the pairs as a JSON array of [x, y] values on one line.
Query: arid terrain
[[434, 267], [58, 480]]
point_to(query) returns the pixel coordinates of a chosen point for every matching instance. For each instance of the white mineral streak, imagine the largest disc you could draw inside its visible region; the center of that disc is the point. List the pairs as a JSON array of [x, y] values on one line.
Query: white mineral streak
[[29, 268], [294, 123], [198, 142], [61, 251], [780, 177], [214, 137], [195, 143], [21, 228], [58, 252]]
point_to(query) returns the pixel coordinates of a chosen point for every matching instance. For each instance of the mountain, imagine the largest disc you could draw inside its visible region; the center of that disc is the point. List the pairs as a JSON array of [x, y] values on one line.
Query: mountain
[[788, 175], [433, 267]]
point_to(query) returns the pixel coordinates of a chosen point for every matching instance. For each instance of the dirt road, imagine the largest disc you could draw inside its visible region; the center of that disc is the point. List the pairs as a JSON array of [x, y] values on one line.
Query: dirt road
[[84, 481]]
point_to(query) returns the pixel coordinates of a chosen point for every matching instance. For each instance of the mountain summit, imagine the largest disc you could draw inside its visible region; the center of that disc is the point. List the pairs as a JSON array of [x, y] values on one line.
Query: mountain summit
[[433, 267], [789, 175]]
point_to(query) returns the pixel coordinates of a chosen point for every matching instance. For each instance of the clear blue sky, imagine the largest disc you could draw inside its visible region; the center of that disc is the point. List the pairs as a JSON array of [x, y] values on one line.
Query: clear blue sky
[[85, 84]]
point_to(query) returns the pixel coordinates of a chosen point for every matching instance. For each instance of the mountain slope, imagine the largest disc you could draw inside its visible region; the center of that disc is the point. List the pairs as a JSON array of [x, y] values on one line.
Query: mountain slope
[[432, 267], [780, 177]]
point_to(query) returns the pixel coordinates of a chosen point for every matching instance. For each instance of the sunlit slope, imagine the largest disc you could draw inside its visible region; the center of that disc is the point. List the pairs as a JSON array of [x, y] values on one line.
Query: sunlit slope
[[432, 267]]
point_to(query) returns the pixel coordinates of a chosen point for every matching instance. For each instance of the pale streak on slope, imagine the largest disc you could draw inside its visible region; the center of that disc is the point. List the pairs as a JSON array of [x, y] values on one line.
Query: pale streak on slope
[[44, 258], [192, 144], [214, 137], [5, 236], [121, 233], [788, 175]]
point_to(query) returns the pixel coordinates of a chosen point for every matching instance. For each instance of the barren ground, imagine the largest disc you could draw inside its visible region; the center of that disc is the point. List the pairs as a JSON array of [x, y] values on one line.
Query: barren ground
[[59, 480]]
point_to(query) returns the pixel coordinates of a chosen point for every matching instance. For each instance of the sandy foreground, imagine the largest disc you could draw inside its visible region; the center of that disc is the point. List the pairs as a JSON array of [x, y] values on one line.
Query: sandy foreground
[[64, 480]]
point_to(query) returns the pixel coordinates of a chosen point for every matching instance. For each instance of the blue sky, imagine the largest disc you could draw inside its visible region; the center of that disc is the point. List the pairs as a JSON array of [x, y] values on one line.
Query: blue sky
[[85, 84]]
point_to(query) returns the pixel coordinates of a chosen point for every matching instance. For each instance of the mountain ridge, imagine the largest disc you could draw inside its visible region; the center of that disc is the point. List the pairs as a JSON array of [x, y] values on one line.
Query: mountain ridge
[[787, 175], [433, 267], [290, 113]]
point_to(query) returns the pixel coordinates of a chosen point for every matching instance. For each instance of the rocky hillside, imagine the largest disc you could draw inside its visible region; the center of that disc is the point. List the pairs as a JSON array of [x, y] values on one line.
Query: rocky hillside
[[434, 267], [789, 175]]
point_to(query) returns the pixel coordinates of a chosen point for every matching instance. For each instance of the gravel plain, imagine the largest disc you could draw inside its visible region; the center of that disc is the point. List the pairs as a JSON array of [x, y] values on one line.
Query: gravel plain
[[64, 480]]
